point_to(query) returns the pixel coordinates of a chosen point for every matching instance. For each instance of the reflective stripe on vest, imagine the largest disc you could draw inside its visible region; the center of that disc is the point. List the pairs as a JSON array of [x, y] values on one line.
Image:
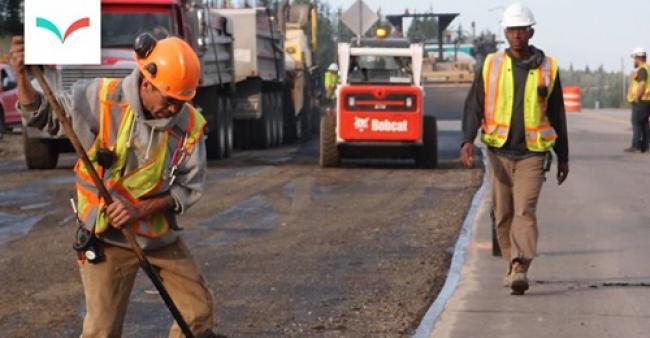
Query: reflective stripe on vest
[[143, 182], [498, 80], [634, 85]]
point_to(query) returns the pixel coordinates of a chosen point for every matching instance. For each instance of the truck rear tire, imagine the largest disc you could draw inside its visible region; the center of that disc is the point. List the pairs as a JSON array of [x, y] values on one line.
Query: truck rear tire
[[279, 113], [263, 127], [290, 120], [230, 126], [216, 142], [243, 134], [40, 153], [329, 151], [427, 155]]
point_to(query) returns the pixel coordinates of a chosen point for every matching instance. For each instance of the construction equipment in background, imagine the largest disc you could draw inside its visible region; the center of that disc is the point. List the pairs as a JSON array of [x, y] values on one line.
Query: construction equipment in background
[[209, 34], [274, 71], [122, 21], [380, 108], [451, 56], [258, 73], [302, 97], [259, 76]]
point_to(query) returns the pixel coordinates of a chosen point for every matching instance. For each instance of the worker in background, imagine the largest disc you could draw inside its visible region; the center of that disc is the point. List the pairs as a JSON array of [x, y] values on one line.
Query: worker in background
[[147, 142], [330, 82], [517, 102], [639, 96]]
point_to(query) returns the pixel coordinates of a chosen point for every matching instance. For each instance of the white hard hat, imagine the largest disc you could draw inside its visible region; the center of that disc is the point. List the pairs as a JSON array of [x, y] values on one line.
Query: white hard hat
[[639, 51], [517, 15], [333, 67]]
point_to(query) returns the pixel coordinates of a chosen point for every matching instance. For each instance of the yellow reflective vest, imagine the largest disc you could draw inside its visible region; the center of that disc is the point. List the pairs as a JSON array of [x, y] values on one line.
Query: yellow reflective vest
[[498, 82], [634, 85], [115, 122], [330, 82]]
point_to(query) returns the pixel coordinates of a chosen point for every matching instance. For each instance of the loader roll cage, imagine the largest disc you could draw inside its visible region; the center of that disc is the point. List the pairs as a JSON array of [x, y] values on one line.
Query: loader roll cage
[[380, 64]]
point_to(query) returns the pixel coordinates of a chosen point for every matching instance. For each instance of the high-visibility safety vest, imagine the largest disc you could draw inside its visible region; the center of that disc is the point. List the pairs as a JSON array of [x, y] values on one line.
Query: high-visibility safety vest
[[116, 120], [331, 80], [634, 85], [499, 89]]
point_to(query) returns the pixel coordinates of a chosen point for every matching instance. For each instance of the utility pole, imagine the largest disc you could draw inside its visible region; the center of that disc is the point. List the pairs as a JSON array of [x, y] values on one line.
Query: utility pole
[[623, 80], [360, 23]]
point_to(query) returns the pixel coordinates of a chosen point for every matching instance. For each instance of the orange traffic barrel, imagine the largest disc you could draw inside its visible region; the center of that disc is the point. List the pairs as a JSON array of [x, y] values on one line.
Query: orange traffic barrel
[[571, 99]]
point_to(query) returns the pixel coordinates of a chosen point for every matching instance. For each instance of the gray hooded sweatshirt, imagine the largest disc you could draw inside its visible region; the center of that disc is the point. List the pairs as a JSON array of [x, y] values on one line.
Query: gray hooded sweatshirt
[[82, 107]]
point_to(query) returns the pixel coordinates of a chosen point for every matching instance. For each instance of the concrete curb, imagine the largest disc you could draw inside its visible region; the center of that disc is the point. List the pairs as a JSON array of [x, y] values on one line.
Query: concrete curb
[[425, 329]]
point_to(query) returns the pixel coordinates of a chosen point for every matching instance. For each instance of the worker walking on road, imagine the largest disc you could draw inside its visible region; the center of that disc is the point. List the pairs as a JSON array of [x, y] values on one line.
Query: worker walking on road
[[330, 82], [146, 143], [517, 102], [639, 96]]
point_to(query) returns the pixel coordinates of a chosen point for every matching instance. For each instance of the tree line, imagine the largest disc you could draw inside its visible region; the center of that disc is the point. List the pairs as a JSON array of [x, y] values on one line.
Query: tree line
[[599, 87], [11, 17]]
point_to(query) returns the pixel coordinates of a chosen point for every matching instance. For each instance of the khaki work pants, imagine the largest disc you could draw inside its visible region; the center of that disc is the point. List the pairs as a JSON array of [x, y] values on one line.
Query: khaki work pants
[[515, 190], [108, 284]]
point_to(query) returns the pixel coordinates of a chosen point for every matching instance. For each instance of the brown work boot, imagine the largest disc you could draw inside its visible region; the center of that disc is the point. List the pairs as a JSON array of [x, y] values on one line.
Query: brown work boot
[[632, 150], [518, 279]]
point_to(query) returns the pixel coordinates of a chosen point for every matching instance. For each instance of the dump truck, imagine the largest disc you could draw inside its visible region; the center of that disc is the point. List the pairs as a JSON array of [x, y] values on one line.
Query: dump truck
[[259, 76], [122, 21], [274, 74], [379, 105]]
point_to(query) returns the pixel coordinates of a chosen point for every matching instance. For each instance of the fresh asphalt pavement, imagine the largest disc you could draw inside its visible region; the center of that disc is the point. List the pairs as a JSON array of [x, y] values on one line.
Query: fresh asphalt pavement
[[591, 278]]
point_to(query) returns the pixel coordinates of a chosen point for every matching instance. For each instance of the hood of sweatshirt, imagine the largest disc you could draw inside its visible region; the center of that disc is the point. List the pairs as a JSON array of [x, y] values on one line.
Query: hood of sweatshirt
[[533, 62], [131, 89]]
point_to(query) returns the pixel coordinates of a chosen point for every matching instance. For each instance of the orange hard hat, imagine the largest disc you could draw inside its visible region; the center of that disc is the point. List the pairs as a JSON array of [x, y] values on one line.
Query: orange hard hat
[[170, 64]]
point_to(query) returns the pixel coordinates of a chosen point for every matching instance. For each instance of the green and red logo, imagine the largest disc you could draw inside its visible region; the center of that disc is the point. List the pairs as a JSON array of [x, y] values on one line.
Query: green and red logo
[[50, 26]]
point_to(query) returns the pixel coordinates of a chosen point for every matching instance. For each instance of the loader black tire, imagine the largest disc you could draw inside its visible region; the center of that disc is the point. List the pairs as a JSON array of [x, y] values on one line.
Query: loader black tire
[[329, 152], [40, 153], [427, 155]]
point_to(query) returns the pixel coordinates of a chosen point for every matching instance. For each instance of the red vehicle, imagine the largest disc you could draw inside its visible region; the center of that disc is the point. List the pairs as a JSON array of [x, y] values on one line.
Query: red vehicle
[[9, 116], [379, 109]]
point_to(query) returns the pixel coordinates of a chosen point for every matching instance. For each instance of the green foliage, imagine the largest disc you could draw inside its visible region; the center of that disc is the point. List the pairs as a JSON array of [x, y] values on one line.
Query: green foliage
[[343, 33], [423, 29], [11, 17], [596, 85]]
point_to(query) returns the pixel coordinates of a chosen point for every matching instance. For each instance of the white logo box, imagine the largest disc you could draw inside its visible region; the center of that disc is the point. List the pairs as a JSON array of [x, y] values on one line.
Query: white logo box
[[49, 44]]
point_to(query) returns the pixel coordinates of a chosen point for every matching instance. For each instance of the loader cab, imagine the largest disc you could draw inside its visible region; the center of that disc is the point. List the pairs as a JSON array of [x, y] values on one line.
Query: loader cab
[[381, 69]]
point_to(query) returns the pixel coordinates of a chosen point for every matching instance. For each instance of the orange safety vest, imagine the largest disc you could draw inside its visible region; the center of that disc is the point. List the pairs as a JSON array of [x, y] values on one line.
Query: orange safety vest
[[115, 123], [498, 80]]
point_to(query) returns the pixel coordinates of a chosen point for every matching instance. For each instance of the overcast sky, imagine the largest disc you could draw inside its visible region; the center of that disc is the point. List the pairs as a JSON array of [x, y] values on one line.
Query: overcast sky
[[578, 32]]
